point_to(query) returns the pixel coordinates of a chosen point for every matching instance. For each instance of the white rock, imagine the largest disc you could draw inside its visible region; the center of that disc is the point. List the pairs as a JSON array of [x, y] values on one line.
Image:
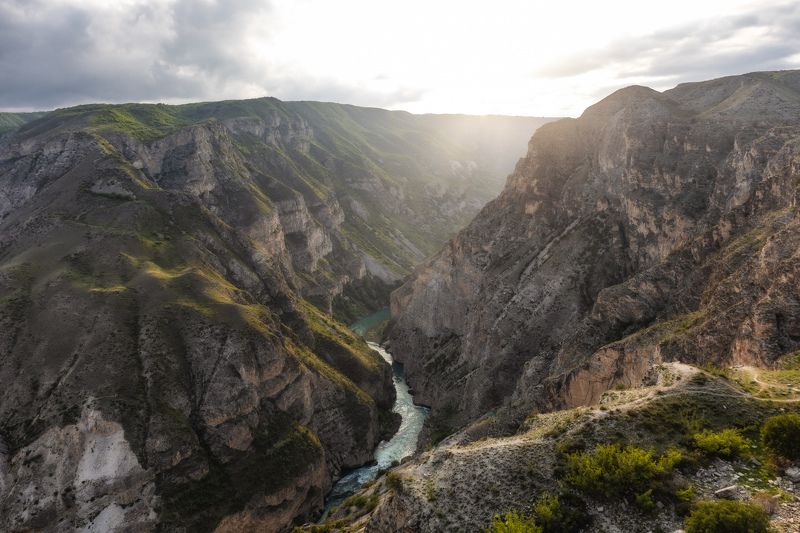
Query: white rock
[[727, 493], [793, 474]]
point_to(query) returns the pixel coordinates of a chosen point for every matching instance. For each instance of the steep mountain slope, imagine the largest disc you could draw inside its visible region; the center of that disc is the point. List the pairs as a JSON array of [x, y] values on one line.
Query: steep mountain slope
[[475, 475], [10, 122], [363, 194], [156, 357], [655, 227], [163, 363]]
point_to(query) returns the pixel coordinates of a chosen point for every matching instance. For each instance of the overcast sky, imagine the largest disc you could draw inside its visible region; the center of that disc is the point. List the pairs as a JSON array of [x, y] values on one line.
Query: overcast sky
[[551, 57]]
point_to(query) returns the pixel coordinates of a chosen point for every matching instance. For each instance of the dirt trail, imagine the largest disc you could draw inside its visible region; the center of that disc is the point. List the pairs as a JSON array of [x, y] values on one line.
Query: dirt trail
[[754, 375]]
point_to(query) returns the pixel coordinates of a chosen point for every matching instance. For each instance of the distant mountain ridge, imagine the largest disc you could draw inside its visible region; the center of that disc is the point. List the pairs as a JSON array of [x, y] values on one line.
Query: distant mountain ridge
[[385, 188], [10, 122]]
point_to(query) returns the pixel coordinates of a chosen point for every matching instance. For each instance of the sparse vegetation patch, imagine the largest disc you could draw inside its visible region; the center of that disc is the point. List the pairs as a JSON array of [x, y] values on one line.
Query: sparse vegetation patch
[[726, 516]]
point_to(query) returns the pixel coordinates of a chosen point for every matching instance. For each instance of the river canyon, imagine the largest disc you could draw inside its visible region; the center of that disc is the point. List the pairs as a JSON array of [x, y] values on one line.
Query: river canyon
[[569, 300]]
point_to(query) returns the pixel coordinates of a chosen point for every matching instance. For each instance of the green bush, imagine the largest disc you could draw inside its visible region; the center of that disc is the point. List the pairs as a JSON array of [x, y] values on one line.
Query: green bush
[[727, 443], [685, 494], [513, 522], [781, 435], [645, 501], [564, 513], [395, 482], [612, 471], [359, 501], [727, 516]]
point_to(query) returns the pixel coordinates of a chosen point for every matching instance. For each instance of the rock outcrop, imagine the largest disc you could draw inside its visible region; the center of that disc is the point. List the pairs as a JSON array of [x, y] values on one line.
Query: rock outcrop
[[362, 194], [160, 367], [167, 275], [476, 475], [655, 227]]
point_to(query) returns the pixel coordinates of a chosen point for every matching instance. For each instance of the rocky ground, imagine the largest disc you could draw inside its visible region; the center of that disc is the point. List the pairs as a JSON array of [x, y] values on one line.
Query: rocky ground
[[471, 476]]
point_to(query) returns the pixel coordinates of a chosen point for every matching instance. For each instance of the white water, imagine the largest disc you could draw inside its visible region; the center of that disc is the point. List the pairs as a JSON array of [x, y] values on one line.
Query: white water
[[400, 446]]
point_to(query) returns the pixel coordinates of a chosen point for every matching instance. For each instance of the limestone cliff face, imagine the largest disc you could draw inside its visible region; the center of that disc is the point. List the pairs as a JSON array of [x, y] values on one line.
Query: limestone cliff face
[[668, 214], [167, 275], [159, 366], [362, 194]]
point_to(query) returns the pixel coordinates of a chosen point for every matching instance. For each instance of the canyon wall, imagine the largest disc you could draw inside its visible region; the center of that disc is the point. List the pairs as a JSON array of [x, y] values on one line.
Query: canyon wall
[[656, 226], [167, 275]]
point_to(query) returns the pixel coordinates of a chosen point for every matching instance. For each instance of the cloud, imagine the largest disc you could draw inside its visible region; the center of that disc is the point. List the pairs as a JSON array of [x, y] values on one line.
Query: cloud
[[53, 53], [444, 56], [377, 94], [58, 53], [764, 39]]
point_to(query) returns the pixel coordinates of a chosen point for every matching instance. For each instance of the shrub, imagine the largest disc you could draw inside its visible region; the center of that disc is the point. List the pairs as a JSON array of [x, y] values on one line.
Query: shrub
[[781, 435], [395, 482], [644, 500], [430, 491], [685, 494], [327, 527], [613, 471], [513, 522], [727, 516], [564, 513], [767, 501], [359, 501], [727, 443]]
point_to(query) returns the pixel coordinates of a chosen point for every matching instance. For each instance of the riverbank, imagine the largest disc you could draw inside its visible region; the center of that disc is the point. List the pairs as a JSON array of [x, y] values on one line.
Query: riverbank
[[403, 443]]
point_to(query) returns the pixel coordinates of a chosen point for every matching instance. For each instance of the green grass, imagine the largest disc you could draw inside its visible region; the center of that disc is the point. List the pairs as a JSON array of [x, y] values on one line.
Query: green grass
[[513, 522], [359, 504], [395, 482], [141, 121], [560, 513], [789, 361], [665, 331], [780, 434], [12, 121]]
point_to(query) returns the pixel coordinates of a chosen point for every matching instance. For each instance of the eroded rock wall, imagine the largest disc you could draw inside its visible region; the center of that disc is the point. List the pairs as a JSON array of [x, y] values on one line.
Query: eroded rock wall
[[615, 221]]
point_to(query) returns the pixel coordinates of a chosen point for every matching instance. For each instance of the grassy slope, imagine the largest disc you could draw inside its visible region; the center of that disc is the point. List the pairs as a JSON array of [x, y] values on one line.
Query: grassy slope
[[138, 259], [399, 149], [12, 121]]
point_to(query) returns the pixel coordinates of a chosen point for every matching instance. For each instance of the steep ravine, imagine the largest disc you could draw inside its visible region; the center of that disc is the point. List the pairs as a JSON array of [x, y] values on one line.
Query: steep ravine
[[167, 280], [655, 227], [159, 369], [634, 278], [390, 452]]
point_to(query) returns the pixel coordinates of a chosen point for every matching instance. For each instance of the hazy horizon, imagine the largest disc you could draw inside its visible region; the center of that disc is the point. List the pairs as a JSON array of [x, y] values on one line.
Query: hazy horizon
[[510, 58]]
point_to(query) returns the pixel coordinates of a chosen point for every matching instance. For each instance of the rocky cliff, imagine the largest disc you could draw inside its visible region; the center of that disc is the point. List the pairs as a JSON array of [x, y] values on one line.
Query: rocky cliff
[[362, 194], [655, 227], [475, 476], [166, 273], [158, 365]]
